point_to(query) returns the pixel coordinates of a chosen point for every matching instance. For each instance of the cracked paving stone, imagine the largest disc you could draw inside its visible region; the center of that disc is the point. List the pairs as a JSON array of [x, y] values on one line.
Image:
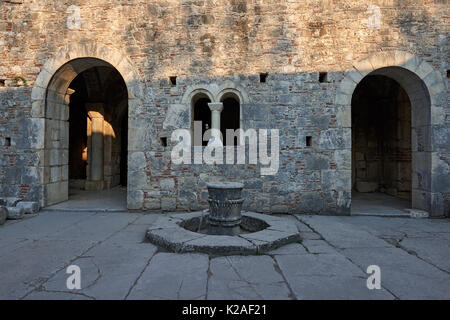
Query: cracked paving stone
[[292, 248], [403, 274], [173, 277], [132, 233], [46, 295], [246, 277], [45, 224], [30, 265], [435, 251], [108, 270], [318, 246], [97, 227], [342, 235], [326, 276]]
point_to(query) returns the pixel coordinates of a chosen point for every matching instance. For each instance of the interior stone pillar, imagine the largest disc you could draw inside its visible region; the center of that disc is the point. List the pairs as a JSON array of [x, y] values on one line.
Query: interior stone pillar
[[96, 166], [216, 109]]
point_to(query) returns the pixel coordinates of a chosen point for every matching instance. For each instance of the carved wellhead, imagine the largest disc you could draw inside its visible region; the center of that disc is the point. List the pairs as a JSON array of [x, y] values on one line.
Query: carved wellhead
[[225, 205]]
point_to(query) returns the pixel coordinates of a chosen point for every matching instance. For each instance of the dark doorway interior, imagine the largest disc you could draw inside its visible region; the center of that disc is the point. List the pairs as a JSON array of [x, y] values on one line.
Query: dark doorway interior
[[381, 138], [203, 113], [230, 119], [77, 132], [124, 150]]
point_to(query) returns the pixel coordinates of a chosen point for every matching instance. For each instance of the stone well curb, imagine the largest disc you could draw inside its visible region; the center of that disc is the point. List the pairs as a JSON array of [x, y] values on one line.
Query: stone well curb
[[167, 232]]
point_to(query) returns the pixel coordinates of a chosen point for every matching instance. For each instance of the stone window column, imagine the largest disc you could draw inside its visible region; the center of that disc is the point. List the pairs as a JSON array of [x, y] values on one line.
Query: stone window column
[[216, 109], [96, 150]]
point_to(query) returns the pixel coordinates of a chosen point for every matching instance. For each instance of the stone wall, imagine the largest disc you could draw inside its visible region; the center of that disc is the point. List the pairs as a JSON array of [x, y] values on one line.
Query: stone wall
[[224, 44]]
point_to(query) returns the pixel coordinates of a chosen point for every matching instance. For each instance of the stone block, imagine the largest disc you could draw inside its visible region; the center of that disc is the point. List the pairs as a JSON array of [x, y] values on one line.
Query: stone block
[[418, 214], [168, 204], [333, 139], [255, 111], [12, 201], [336, 180], [167, 184], [135, 199], [29, 207], [137, 161], [178, 116], [3, 214], [152, 204], [15, 213]]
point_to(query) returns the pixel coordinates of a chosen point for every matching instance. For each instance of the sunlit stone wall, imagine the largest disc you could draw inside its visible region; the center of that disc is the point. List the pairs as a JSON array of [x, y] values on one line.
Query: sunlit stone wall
[[216, 45]]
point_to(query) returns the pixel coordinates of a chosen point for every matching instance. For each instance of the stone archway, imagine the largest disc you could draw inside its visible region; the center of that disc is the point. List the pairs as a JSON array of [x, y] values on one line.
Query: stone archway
[[425, 88], [50, 98]]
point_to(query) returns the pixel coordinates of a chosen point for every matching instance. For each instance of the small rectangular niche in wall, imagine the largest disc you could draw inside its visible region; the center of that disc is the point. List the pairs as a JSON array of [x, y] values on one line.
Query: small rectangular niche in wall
[[2, 82], [173, 81], [7, 142], [323, 77], [163, 141], [448, 73], [309, 141], [263, 77]]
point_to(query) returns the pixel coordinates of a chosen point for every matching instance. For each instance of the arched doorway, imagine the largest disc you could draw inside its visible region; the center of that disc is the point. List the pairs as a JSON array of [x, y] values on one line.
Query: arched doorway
[[391, 142], [86, 106]]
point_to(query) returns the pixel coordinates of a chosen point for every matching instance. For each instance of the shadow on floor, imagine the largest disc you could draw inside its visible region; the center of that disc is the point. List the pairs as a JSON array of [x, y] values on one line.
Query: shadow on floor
[[379, 204], [112, 200]]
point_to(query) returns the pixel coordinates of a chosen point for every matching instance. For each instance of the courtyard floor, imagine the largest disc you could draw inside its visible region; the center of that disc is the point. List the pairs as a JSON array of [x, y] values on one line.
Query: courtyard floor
[[117, 263]]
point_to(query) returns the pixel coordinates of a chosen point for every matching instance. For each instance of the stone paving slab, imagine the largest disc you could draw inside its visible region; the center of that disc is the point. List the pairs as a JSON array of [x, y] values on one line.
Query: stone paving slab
[[108, 271], [221, 245], [340, 234], [173, 276], [96, 227], [133, 233], [173, 239], [318, 246], [35, 252], [291, 248], [270, 239], [334, 288], [40, 226], [435, 251], [246, 277], [332, 264], [403, 274], [326, 276], [30, 265], [45, 295]]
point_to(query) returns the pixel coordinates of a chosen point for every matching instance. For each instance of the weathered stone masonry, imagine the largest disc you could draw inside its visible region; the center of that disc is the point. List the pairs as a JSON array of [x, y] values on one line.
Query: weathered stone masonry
[[216, 47]]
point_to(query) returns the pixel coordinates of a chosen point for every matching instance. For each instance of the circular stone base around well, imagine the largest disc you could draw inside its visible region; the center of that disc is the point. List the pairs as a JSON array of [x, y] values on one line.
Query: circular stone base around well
[[261, 233]]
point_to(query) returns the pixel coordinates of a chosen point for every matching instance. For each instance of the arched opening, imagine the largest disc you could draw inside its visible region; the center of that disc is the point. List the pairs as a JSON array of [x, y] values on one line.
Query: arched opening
[[86, 130], [390, 110], [202, 114], [230, 118]]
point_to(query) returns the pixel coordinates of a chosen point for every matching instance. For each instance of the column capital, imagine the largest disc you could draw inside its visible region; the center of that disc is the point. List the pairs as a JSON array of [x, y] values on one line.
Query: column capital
[[215, 106], [95, 110]]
